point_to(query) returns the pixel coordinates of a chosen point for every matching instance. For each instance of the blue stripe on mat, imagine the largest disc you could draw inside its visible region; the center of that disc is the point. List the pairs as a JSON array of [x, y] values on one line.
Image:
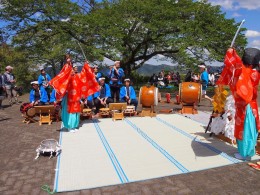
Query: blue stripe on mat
[[224, 155], [56, 181], [120, 172], [155, 145]]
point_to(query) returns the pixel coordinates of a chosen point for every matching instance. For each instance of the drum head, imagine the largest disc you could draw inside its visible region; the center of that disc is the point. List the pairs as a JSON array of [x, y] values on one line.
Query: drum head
[[24, 107], [30, 112]]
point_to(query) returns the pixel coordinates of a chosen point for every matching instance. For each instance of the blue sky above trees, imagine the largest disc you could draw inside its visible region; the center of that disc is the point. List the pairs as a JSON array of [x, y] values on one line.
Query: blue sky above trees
[[244, 9]]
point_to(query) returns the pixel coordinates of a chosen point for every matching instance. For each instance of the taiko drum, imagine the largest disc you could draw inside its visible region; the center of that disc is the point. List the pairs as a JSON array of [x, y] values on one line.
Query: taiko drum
[[148, 96], [190, 92]]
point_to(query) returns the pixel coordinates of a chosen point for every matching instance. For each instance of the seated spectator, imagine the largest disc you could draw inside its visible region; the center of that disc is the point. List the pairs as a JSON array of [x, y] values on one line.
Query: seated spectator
[[102, 97], [38, 96], [127, 94], [211, 79]]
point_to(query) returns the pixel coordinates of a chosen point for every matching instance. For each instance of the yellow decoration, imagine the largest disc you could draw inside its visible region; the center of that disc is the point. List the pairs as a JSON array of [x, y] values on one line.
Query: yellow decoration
[[219, 99]]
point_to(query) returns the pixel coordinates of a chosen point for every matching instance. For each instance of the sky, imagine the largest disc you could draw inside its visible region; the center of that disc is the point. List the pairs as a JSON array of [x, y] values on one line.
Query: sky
[[244, 9], [239, 10]]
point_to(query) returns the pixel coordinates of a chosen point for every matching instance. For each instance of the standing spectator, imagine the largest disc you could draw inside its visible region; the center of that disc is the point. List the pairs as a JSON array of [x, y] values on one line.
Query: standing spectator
[[212, 78], [9, 82], [97, 73], [43, 81], [178, 77], [204, 78], [174, 79], [2, 90], [188, 77], [115, 76]]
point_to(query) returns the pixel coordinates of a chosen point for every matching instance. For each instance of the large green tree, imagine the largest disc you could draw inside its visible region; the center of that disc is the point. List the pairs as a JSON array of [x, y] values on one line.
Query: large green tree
[[188, 31], [132, 31]]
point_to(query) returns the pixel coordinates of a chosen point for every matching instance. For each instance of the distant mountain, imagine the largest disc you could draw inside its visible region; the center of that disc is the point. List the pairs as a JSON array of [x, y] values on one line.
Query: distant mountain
[[148, 70]]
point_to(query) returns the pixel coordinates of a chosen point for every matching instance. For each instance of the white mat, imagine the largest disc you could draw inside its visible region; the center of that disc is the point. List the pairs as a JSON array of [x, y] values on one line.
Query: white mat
[[106, 153]]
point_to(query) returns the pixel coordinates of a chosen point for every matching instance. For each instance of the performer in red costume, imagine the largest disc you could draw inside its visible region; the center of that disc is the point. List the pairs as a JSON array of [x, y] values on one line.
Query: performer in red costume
[[243, 76], [71, 87]]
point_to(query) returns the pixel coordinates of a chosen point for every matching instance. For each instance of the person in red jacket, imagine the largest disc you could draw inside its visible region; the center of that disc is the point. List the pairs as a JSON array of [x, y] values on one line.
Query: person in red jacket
[[242, 76], [72, 87]]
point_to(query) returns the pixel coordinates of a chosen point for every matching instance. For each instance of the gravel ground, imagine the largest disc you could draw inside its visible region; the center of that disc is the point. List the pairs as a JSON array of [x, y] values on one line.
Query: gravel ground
[[21, 174]]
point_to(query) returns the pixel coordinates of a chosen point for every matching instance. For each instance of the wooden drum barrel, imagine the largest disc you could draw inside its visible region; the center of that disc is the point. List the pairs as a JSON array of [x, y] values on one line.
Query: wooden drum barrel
[[148, 96], [190, 92]]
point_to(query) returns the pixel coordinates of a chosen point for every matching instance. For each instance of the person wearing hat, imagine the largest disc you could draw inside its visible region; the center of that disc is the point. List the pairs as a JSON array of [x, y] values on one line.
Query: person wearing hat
[[204, 78], [97, 73], [115, 76], [38, 96], [9, 83], [44, 80], [103, 96], [127, 94]]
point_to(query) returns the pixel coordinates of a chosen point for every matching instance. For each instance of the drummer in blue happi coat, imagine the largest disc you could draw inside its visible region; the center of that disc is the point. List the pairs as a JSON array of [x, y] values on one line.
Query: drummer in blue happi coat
[[102, 98], [127, 94], [38, 96]]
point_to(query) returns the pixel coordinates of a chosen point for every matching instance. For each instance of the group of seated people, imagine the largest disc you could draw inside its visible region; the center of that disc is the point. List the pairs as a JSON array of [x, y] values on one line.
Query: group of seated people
[[101, 99]]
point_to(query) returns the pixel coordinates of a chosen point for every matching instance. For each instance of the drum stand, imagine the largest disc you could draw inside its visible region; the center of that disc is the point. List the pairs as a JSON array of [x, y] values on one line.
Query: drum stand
[[148, 111], [188, 109], [104, 112], [28, 119], [87, 113]]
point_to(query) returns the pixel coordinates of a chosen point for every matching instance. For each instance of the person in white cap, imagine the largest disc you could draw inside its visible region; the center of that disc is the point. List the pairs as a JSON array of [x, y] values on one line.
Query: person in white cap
[[204, 78], [103, 96], [38, 96], [43, 81], [9, 82], [115, 76], [127, 94]]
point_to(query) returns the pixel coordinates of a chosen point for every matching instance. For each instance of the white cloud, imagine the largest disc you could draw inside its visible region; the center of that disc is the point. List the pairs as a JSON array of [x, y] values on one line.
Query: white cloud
[[236, 15], [237, 4], [252, 33], [255, 43]]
